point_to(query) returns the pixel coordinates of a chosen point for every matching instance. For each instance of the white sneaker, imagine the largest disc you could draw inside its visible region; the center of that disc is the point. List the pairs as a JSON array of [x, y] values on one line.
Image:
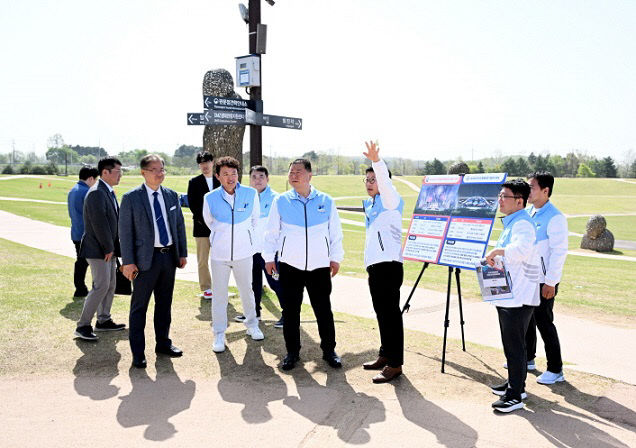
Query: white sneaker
[[207, 294], [531, 366], [219, 343], [256, 333], [548, 377]]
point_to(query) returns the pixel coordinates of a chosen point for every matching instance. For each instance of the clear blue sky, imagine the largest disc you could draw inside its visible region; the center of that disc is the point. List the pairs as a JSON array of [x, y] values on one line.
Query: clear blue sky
[[427, 78]]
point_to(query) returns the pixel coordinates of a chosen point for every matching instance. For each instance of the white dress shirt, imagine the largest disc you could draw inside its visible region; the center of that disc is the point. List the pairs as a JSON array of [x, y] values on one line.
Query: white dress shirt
[[162, 204]]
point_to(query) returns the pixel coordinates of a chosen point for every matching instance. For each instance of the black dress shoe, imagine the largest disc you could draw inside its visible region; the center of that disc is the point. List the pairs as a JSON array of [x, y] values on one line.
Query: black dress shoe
[[171, 351], [139, 363], [290, 360], [332, 359]]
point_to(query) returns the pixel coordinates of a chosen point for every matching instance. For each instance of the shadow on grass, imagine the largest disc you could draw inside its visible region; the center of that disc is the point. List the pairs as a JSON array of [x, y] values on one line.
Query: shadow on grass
[[98, 366], [152, 403], [73, 309]]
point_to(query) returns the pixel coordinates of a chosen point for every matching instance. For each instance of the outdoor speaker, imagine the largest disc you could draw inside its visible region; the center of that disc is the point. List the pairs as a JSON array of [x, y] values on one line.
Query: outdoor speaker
[[261, 38]]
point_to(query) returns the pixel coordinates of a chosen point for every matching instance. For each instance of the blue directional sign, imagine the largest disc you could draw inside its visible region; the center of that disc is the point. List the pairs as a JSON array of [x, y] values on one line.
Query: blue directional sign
[[216, 118], [276, 121], [223, 103]]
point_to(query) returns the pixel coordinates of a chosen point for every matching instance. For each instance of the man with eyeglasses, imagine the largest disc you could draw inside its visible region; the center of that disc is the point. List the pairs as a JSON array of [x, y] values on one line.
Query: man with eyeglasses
[[153, 245], [383, 260], [100, 247], [516, 245]]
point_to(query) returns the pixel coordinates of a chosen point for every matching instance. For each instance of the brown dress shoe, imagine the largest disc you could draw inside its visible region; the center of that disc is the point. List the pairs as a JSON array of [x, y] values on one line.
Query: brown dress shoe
[[387, 374], [378, 364]]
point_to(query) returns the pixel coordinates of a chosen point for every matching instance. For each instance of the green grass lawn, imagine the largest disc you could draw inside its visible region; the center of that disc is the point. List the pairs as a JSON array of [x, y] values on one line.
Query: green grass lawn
[[589, 285]]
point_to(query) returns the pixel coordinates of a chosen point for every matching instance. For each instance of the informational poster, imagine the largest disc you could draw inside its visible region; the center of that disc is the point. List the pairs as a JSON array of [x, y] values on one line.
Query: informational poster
[[453, 219]]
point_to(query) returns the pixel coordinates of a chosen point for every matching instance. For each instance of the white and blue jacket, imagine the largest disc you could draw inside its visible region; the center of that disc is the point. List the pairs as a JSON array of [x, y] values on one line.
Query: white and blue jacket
[[265, 197], [552, 241], [231, 223], [518, 239], [306, 232], [383, 220]]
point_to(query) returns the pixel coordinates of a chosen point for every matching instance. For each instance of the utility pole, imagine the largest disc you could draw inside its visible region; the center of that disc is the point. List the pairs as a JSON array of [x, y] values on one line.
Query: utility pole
[[256, 132]]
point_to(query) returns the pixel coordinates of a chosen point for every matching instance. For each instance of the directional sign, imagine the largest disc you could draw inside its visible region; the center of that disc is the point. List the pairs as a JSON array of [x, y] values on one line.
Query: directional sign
[[221, 103], [276, 121], [216, 118]]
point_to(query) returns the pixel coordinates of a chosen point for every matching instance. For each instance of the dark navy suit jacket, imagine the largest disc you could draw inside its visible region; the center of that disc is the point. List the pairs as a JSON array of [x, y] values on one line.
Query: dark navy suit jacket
[[137, 230]]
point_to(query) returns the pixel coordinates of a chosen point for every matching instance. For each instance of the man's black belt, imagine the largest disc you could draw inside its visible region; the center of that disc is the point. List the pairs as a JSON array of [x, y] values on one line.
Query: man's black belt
[[164, 250]]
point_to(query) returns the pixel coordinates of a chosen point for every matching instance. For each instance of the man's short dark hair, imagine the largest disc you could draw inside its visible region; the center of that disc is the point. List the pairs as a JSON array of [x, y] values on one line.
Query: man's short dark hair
[[304, 162], [148, 159], [370, 170], [544, 179], [519, 187], [260, 169], [107, 163], [204, 156], [88, 171], [227, 161]]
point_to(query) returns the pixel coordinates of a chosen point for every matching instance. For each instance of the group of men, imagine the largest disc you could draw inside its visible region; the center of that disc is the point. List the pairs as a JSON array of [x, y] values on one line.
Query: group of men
[[295, 238], [534, 245]]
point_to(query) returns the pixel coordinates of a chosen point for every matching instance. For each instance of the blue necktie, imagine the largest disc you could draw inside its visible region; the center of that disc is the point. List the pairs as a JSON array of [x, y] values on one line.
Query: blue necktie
[[161, 224]]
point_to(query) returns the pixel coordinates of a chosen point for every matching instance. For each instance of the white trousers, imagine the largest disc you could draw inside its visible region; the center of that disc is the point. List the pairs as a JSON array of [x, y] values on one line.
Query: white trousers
[[220, 278]]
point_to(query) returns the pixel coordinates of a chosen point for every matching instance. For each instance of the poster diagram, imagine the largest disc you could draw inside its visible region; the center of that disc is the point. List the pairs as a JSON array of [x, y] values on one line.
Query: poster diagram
[[453, 219]]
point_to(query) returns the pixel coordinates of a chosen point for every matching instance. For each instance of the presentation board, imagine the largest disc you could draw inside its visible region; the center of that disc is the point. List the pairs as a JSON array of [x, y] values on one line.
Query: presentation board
[[453, 219]]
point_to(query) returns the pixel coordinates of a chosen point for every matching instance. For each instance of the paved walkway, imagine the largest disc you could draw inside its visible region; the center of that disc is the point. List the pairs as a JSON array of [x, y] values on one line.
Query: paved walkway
[[584, 342]]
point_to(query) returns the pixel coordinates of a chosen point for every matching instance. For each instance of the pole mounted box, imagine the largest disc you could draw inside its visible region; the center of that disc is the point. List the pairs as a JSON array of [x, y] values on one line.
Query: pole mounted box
[[248, 71]]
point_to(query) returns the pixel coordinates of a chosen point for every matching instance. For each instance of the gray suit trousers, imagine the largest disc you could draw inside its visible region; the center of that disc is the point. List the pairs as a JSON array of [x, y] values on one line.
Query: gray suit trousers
[[100, 298]]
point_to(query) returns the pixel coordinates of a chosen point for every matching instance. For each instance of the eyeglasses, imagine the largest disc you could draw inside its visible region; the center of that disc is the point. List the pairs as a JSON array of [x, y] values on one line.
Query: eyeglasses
[[159, 171], [503, 196], [369, 181]]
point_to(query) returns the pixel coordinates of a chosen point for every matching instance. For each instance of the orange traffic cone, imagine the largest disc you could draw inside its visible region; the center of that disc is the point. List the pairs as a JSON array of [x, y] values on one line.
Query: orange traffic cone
[[49, 184], [40, 184]]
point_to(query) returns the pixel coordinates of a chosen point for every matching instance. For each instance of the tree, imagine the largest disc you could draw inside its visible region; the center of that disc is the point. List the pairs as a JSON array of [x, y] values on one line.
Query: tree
[[509, 166], [26, 167], [609, 167], [8, 170], [522, 167], [61, 155], [480, 167], [132, 157], [632, 169], [585, 171], [532, 160], [55, 141]]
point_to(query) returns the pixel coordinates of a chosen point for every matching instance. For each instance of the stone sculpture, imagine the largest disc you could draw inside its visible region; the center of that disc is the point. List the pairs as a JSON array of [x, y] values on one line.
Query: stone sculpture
[[597, 237], [223, 140], [459, 168]]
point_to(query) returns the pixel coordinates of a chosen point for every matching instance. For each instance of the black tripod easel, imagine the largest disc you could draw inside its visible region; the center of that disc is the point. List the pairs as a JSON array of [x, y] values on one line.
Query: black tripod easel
[[407, 305]]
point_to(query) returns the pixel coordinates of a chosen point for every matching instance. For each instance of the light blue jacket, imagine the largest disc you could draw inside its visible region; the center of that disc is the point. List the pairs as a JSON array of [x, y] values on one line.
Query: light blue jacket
[[306, 232], [231, 225]]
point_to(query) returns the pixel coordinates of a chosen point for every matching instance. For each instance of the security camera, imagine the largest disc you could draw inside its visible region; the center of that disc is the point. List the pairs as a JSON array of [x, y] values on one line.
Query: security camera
[[245, 13]]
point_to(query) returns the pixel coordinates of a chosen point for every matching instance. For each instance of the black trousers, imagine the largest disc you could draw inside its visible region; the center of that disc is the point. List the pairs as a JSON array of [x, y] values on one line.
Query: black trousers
[[513, 323], [258, 267], [79, 272], [385, 280], [318, 284], [543, 319], [159, 279]]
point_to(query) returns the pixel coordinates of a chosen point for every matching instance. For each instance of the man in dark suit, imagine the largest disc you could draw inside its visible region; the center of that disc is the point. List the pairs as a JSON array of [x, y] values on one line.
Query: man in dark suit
[[197, 188], [100, 247], [153, 245]]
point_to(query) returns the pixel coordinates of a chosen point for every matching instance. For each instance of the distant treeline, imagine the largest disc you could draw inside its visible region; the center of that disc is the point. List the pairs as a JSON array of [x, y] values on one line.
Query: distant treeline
[[182, 161]]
